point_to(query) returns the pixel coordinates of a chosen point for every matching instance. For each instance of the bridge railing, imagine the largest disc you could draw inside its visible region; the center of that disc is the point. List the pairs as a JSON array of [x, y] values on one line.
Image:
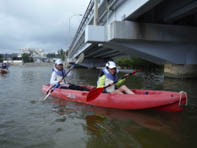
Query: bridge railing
[[84, 20], [77, 40]]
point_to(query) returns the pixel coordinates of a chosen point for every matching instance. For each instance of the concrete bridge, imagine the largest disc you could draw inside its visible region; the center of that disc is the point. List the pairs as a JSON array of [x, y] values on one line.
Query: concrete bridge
[[160, 31]]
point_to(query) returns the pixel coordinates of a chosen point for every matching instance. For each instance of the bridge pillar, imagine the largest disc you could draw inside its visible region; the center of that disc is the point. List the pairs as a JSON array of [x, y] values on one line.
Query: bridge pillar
[[180, 70]]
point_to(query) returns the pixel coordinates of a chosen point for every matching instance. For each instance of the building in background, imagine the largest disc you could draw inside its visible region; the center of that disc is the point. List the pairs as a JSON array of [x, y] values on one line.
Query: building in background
[[38, 55]]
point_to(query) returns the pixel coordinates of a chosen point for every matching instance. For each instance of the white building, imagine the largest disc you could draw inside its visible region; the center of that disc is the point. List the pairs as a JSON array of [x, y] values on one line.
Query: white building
[[36, 53]]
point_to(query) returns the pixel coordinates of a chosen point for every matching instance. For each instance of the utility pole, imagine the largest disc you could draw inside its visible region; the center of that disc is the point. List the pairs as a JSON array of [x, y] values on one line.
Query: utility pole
[[95, 12]]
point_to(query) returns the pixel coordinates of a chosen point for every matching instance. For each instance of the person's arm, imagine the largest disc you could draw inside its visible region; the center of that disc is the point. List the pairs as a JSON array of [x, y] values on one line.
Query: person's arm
[[101, 81], [53, 79], [120, 82]]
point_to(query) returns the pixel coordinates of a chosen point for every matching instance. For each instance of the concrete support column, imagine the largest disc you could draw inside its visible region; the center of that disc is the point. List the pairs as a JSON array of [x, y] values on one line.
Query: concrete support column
[[95, 12], [180, 71]]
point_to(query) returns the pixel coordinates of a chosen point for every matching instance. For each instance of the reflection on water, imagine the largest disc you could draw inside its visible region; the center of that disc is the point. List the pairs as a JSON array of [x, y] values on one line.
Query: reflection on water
[[108, 126], [27, 122]]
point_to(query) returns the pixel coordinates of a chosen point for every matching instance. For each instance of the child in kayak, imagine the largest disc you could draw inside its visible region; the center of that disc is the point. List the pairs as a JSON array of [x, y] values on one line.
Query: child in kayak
[[57, 77], [108, 75]]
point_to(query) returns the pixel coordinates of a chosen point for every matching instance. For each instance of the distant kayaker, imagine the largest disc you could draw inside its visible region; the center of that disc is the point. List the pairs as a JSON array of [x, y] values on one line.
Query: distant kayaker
[[58, 74], [4, 66], [108, 75]]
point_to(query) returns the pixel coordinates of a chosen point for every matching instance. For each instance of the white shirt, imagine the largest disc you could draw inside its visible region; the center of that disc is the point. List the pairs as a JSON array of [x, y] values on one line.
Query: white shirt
[[56, 78]]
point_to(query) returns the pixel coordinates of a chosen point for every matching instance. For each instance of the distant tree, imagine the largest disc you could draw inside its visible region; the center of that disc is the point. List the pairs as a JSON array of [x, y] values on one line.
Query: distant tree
[[16, 58], [27, 58], [1, 58], [124, 62], [135, 62], [51, 55], [61, 54]]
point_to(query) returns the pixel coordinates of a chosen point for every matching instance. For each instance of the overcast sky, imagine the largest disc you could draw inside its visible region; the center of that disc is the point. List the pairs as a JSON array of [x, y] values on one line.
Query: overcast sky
[[38, 23]]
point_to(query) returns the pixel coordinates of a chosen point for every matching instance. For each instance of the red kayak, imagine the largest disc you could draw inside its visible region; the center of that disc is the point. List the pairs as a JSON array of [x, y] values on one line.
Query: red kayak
[[142, 99], [2, 71]]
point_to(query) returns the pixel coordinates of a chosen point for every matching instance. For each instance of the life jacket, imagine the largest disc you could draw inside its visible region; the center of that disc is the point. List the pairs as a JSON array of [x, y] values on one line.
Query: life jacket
[[109, 79], [59, 75]]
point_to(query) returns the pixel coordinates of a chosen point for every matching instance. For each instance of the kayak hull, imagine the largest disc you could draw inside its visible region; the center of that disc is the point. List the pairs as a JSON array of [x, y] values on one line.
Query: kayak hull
[[2, 71], [142, 99]]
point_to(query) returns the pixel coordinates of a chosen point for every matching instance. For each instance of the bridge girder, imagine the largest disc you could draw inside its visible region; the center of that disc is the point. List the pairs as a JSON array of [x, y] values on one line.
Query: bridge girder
[[155, 30]]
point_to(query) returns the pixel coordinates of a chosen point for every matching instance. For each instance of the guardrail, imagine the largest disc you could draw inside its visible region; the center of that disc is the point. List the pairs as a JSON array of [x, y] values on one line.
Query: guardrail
[[88, 16], [84, 20]]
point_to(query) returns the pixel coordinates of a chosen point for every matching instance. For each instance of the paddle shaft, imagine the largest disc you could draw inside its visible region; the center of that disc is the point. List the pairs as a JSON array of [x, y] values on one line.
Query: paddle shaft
[[132, 73], [53, 87], [57, 84], [79, 60]]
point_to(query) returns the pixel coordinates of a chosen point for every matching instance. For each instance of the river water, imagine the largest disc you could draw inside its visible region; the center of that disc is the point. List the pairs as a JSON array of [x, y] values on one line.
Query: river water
[[26, 122]]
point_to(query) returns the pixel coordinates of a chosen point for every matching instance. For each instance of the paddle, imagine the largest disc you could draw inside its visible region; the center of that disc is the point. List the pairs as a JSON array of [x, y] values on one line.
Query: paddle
[[53, 87], [95, 92]]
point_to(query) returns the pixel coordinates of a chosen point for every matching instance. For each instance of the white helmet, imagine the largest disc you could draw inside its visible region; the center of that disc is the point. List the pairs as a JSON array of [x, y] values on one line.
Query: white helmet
[[110, 64], [58, 62]]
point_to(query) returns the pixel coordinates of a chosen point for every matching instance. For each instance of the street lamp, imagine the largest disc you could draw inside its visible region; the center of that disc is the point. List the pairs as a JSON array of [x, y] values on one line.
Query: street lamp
[[70, 20], [69, 52]]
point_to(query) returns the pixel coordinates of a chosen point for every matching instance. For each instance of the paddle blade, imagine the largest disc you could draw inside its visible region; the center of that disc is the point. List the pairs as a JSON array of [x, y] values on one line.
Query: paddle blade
[[80, 58], [135, 72], [94, 93], [45, 97]]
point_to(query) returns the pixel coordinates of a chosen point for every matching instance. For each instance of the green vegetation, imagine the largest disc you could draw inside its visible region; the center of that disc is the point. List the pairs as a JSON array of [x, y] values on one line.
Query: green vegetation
[[60, 54], [27, 58], [135, 63], [16, 58], [1, 58]]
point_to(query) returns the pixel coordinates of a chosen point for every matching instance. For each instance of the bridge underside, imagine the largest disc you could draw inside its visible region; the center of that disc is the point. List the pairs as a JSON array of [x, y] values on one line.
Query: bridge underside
[[160, 31], [154, 42], [157, 52]]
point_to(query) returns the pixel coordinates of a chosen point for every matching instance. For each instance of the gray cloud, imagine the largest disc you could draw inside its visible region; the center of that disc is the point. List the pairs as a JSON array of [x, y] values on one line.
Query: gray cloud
[[38, 23]]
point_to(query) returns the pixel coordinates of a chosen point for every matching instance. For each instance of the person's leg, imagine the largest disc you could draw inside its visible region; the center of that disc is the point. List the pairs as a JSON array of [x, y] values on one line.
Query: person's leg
[[117, 91], [76, 87], [64, 87], [125, 89]]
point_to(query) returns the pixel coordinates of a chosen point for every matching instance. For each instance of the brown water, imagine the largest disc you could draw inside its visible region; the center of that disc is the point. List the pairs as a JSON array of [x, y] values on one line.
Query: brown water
[[25, 122]]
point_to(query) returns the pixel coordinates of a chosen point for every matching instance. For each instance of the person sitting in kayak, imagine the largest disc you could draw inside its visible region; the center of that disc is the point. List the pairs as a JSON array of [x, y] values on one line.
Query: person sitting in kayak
[[108, 75], [4, 66], [58, 74]]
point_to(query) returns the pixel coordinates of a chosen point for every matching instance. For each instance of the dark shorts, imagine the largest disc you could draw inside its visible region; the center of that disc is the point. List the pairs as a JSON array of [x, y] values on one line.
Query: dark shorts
[[104, 91], [75, 87]]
